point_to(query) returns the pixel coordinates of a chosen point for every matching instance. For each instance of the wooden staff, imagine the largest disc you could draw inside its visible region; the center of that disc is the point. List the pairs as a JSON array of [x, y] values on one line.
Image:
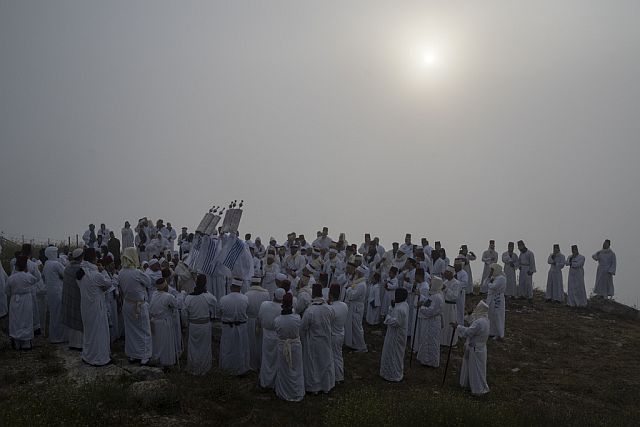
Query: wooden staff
[[453, 334]]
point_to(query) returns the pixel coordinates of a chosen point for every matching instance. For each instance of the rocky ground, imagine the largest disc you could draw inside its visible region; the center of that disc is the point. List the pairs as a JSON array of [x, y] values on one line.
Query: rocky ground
[[557, 365]]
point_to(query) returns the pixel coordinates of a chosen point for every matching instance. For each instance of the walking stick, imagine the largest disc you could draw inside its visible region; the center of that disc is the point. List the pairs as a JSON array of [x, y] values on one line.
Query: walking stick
[[453, 334], [413, 338]]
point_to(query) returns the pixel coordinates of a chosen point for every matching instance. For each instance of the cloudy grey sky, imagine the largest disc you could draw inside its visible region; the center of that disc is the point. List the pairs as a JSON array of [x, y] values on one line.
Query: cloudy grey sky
[[323, 113]]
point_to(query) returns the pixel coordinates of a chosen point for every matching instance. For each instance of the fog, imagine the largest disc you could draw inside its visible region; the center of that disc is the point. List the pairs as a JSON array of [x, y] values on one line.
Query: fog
[[322, 114]]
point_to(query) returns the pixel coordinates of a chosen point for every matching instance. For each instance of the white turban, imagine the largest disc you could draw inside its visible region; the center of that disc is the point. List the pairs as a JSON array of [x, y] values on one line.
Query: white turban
[[481, 310], [51, 252], [279, 294]]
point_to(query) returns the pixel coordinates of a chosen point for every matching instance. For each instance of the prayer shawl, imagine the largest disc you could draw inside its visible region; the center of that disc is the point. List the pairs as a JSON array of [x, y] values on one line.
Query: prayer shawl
[[71, 300]]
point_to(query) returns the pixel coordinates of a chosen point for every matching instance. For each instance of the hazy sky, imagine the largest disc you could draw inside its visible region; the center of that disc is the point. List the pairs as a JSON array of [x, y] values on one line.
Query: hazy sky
[[323, 113]]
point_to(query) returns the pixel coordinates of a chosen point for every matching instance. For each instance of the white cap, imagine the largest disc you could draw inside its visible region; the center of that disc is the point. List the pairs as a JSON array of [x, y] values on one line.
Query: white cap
[[280, 277], [153, 261], [279, 293], [237, 282], [77, 253]]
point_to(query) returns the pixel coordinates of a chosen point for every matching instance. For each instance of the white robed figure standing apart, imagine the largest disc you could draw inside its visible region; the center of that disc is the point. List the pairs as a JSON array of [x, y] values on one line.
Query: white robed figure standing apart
[[234, 341], [606, 270], [198, 309], [256, 295], [576, 292], [340, 314], [555, 285], [289, 373], [136, 287], [489, 257], [267, 314], [395, 339], [319, 372], [430, 325], [96, 341], [163, 334], [19, 288], [496, 302], [53, 274], [473, 374]]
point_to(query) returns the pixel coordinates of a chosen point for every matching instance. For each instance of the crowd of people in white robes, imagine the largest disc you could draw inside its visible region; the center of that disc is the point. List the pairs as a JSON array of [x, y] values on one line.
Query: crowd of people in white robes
[[291, 321]]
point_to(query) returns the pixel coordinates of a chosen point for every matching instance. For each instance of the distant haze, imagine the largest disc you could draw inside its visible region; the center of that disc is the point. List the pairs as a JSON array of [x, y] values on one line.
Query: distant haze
[[316, 113]]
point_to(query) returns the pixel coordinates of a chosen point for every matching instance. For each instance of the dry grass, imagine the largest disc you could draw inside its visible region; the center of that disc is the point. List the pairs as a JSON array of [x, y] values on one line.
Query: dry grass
[[557, 366]]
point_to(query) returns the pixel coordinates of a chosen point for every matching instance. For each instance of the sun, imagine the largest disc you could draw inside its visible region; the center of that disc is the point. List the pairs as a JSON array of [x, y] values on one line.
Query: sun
[[430, 58]]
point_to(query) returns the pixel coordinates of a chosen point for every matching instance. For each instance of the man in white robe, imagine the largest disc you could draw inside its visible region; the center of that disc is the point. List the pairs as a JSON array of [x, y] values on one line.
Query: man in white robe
[[451, 292], [340, 315], [269, 271], [606, 259], [162, 317], [96, 341], [256, 295], [496, 302], [197, 311], [135, 286], [267, 314], [576, 292], [19, 289], [489, 257], [169, 234], [294, 263], [355, 297], [90, 237], [473, 374], [71, 301], [430, 325], [555, 285], [511, 263], [128, 239], [469, 256], [395, 339], [462, 277], [319, 371], [103, 232], [407, 246], [234, 341], [289, 382], [53, 276], [527, 266]]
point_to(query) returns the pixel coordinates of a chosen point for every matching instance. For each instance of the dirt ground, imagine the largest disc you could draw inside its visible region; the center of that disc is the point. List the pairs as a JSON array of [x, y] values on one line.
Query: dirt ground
[[557, 365]]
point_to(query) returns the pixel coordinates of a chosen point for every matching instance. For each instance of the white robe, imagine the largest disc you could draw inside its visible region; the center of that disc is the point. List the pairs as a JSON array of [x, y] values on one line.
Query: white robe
[[467, 267], [489, 257], [256, 296], [234, 341], [162, 316], [319, 372], [388, 292], [430, 329], [196, 314], [340, 314], [511, 264], [269, 277], [373, 304], [474, 362], [19, 288], [355, 299], [496, 303], [289, 382], [267, 314], [128, 238], [606, 270], [555, 286], [449, 311], [576, 292], [4, 306], [527, 264], [135, 286], [395, 342], [463, 278], [96, 343], [52, 274]]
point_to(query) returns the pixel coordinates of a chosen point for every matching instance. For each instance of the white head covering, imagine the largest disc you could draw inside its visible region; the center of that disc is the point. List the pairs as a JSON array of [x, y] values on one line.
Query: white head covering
[[362, 269], [256, 280], [153, 261], [435, 286], [279, 294], [130, 258], [237, 282], [281, 276], [481, 310], [496, 270], [51, 252], [77, 253]]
